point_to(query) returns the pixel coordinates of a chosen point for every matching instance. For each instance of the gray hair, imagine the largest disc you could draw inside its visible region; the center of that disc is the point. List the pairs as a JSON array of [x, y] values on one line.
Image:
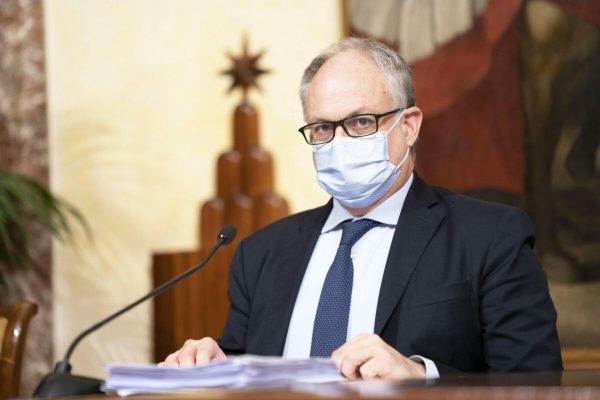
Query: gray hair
[[395, 70]]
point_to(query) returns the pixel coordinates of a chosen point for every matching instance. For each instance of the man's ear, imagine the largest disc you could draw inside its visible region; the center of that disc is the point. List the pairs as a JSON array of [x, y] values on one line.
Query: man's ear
[[413, 116]]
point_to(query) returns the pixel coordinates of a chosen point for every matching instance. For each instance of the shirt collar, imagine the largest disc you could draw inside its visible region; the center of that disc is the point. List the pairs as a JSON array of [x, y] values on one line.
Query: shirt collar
[[387, 213]]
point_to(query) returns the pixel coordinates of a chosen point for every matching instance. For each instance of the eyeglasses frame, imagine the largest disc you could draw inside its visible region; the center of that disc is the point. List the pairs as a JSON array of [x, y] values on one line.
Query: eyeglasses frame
[[340, 122]]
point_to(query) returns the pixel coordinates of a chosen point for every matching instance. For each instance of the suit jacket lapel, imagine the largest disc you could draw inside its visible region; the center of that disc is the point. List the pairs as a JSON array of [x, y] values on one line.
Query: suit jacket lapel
[[417, 223], [292, 264]]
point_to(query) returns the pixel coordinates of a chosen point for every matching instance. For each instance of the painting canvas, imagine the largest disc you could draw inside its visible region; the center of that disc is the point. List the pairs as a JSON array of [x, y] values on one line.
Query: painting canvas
[[510, 92]]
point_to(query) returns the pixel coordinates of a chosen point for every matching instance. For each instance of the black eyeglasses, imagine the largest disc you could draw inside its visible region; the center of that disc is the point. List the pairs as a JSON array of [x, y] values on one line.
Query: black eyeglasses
[[355, 126]]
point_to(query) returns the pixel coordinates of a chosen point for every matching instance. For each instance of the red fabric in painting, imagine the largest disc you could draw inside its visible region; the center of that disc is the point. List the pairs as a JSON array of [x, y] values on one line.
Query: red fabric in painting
[[461, 64], [477, 141], [472, 135]]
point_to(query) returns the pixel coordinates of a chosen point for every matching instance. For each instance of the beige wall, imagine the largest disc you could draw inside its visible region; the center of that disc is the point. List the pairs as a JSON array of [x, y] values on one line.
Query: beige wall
[[138, 115]]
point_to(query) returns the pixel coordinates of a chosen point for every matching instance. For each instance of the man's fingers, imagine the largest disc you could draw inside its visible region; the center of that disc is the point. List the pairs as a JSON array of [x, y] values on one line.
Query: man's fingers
[[187, 355], [204, 355], [195, 352], [172, 360], [368, 357], [353, 358], [338, 355], [370, 370], [208, 350]]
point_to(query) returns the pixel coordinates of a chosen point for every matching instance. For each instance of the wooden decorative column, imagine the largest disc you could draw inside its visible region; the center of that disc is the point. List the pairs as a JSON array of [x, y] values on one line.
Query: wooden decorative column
[[244, 197]]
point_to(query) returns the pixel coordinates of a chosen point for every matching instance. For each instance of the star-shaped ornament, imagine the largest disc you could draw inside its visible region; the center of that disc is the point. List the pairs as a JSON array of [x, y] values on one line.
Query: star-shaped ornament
[[245, 70]]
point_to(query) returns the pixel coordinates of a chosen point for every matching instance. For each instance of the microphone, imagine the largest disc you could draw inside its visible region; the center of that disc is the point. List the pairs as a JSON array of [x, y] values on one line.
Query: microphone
[[61, 383], [227, 234]]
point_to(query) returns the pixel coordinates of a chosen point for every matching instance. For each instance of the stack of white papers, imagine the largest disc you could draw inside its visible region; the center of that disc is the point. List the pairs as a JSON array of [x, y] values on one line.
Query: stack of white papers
[[234, 372]]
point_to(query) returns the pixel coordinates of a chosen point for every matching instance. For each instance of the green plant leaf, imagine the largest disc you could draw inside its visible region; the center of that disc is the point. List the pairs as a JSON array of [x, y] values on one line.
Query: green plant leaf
[[23, 200]]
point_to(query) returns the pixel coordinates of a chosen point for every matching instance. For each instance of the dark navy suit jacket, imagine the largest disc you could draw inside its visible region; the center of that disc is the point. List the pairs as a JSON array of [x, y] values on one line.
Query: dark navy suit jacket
[[461, 285]]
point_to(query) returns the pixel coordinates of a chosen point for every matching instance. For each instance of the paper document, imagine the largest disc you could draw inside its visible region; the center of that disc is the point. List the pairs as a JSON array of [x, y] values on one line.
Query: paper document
[[234, 372]]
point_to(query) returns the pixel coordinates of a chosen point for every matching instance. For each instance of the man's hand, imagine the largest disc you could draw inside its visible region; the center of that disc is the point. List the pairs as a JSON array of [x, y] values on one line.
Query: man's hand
[[368, 357], [195, 352]]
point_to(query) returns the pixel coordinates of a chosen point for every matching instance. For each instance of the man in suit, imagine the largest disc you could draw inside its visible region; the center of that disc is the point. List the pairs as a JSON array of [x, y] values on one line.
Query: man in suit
[[392, 278]]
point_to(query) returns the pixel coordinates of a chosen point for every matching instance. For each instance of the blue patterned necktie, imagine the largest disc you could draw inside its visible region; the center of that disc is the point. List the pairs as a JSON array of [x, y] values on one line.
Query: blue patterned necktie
[[331, 321]]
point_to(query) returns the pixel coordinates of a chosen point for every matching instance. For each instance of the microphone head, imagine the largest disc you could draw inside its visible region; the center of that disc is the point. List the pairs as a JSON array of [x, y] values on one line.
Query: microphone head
[[227, 234]]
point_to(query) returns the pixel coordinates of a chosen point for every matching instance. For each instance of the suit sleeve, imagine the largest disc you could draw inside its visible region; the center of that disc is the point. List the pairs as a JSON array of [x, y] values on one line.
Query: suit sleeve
[[233, 339], [517, 316]]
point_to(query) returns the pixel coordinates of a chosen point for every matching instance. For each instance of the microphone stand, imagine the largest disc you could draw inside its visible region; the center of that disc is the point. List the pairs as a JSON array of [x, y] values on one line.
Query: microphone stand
[[61, 382]]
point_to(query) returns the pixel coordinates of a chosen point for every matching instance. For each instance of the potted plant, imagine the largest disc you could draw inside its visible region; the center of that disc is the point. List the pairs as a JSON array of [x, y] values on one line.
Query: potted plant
[[23, 200]]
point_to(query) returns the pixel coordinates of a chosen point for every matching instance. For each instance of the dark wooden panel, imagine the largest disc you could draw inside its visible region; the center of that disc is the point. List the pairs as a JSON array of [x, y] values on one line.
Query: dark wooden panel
[[174, 303], [197, 304], [163, 304]]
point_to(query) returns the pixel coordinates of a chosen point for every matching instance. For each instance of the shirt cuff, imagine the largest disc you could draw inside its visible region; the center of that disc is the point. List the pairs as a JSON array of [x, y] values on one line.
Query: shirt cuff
[[431, 371]]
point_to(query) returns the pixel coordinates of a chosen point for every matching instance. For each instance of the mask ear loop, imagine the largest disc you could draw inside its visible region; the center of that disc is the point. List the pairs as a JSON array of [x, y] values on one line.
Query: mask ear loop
[[395, 123], [396, 168], [403, 160]]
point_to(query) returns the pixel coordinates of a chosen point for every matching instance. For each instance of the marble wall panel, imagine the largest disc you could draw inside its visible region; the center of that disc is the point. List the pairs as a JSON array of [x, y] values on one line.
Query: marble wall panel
[[24, 149]]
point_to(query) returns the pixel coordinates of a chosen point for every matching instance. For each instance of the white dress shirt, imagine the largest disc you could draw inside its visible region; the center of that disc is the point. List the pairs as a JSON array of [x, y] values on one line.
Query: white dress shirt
[[369, 256]]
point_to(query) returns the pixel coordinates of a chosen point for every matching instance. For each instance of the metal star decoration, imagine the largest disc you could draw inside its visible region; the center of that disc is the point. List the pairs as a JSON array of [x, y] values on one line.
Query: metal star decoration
[[245, 69]]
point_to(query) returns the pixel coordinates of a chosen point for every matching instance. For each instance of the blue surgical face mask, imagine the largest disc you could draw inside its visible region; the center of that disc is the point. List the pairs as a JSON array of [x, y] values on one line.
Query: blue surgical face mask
[[357, 171]]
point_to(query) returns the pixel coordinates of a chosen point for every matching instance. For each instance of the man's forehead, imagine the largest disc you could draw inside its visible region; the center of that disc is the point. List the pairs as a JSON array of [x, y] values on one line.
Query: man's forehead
[[349, 61], [348, 83]]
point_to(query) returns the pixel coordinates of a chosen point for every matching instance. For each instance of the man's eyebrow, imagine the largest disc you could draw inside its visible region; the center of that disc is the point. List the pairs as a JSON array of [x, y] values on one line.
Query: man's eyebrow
[[360, 110]]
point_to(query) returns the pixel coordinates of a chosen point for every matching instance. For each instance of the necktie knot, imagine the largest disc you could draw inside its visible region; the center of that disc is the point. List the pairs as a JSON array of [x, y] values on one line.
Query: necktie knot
[[352, 231]]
